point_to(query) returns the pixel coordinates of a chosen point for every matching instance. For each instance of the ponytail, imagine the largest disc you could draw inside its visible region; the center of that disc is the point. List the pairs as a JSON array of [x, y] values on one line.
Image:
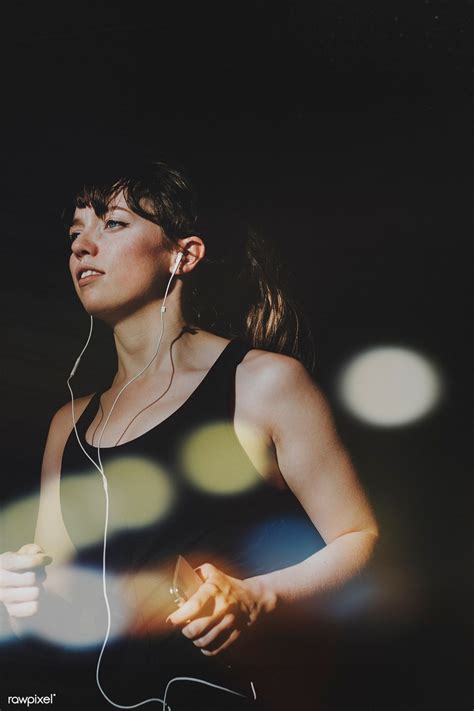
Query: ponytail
[[244, 294], [274, 322]]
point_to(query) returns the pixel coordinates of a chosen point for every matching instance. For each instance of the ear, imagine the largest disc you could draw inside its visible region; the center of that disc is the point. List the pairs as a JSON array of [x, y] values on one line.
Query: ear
[[193, 250]]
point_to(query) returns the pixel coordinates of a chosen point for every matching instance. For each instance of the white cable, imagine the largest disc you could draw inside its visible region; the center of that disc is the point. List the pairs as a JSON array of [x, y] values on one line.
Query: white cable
[[100, 468]]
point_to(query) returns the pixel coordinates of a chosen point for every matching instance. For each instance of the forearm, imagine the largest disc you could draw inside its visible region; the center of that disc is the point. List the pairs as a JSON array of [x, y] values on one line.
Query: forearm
[[314, 577]]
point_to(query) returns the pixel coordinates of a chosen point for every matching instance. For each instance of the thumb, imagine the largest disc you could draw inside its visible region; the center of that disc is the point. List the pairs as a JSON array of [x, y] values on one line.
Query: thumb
[[30, 549], [205, 570]]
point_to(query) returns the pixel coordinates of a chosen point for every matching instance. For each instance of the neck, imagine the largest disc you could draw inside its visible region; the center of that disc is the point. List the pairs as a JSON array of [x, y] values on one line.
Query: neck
[[136, 338]]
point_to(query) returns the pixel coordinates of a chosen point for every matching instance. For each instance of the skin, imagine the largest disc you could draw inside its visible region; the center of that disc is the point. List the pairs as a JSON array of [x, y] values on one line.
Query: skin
[[276, 400]]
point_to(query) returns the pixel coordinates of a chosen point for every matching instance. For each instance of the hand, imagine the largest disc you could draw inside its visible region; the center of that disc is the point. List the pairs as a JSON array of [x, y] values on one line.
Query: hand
[[21, 577], [216, 614]]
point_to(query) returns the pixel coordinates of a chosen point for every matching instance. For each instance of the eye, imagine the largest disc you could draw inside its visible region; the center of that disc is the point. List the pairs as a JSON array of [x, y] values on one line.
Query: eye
[[112, 224], [73, 235]]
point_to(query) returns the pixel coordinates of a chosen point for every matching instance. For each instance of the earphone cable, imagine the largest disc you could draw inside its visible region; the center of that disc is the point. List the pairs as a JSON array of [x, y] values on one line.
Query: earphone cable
[[100, 468]]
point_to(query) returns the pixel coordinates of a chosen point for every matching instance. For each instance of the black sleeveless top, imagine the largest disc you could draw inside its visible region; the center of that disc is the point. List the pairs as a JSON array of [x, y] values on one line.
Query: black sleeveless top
[[185, 487]]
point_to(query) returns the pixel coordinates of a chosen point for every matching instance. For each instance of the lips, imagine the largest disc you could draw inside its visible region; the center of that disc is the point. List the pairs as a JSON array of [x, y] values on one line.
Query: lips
[[87, 279], [87, 273]]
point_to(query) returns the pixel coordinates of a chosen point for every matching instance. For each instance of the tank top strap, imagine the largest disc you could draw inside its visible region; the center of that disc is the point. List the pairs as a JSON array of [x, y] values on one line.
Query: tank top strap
[[235, 352], [217, 396]]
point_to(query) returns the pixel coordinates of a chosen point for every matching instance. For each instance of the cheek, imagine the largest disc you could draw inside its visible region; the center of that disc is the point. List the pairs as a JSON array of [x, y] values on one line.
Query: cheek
[[142, 268]]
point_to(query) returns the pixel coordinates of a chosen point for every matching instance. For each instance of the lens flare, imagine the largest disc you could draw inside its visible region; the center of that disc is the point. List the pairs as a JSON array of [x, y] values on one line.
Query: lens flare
[[74, 615], [140, 493], [17, 523], [279, 542], [215, 462], [389, 386]]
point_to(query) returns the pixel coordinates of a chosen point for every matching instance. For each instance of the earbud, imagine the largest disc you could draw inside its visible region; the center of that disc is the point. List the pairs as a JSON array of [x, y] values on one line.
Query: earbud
[[177, 261]]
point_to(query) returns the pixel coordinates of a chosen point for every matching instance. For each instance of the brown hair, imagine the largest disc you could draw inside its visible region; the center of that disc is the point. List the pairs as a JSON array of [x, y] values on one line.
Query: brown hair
[[239, 289]]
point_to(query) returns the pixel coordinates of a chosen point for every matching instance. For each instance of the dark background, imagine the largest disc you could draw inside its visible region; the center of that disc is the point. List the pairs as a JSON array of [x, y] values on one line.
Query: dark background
[[341, 128]]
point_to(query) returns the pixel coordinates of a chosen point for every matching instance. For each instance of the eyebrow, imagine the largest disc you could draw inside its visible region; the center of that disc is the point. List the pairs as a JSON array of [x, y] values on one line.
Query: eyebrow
[[77, 220], [115, 207]]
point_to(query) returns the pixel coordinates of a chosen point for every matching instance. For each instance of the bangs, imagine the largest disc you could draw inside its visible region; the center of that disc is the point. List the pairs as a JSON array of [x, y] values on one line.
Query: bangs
[[101, 197], [156, 192], [98, 197]]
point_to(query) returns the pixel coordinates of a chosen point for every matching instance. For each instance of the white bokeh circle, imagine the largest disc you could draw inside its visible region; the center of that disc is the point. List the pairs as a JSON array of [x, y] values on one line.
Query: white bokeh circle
[[389, 386]]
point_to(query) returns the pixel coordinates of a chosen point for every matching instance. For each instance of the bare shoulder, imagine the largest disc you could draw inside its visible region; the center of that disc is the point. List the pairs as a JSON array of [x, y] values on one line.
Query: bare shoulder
[[59, 430], [271, 372], [61, 421], [272, 384]]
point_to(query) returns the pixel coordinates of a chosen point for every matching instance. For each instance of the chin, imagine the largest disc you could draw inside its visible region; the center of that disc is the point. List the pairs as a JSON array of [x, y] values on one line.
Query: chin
[[98, 310], [111, 315]]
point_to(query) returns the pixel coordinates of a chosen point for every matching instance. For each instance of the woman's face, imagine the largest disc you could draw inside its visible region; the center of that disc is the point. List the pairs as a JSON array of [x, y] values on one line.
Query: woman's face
[[127, 252]]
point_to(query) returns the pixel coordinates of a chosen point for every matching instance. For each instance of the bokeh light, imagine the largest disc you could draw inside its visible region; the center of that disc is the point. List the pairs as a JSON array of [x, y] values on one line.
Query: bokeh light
[[382, 589], [215, 462], [73, 613], [279, 542], [76, 615], [140, 493], [389, 386], [17, 523]]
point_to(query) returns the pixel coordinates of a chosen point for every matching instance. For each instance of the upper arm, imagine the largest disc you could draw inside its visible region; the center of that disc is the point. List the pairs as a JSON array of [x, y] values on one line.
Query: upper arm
[[51, 533], [310, 455]]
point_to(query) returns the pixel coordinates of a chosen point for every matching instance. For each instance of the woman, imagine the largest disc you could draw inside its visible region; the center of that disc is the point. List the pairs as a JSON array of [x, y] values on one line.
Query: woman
[[235, 435]]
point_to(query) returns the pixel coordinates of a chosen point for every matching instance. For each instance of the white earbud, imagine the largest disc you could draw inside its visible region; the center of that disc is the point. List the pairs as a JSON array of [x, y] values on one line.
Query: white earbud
[[179, 257]]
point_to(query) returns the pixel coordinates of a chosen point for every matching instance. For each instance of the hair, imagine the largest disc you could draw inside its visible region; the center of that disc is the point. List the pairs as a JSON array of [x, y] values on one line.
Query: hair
[[259, 308]]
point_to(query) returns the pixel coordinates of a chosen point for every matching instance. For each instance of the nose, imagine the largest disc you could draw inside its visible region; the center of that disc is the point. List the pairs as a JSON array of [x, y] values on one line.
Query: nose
[[85, 243]]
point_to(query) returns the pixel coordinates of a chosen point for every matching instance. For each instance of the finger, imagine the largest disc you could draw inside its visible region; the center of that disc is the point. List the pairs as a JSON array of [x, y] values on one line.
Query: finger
[[211, 574], [17, 595], [23, 609], [207, 570], [225, 625], [22, 561], [30, 549], [22, 580], [195, 605], [202, 625], [198, 571], [233, 636]]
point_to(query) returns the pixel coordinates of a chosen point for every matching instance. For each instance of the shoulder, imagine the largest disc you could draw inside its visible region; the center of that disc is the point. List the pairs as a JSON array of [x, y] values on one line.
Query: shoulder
[[60, 428], [62, 418], [277, 384], [267, 371]]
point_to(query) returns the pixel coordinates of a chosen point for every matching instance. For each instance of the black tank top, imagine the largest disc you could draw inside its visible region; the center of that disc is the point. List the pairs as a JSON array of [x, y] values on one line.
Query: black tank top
[[185, 487]]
